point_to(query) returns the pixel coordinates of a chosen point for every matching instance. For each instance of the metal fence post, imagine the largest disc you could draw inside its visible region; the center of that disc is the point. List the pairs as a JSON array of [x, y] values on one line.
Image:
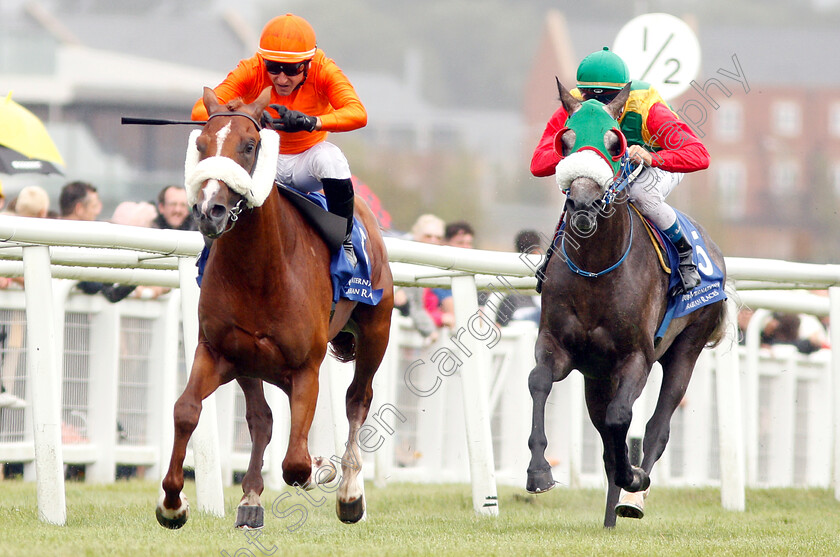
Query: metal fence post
[[730, 424], [473, 373], [834, 340], [43, 369]]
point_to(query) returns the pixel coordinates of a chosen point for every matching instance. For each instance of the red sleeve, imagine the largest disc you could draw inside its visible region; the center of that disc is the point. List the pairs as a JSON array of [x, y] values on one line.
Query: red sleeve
[[682, 150], [545, 158], [432, 306]]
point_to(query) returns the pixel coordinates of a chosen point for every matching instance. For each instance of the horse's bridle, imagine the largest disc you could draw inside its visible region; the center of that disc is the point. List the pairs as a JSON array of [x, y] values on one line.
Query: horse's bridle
[[233, 213], [589, 274], [625, 178]]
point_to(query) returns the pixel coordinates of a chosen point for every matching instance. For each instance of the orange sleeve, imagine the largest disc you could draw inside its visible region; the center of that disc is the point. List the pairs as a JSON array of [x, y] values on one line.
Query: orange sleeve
[[246, 81], [326, 93], [348, 113]]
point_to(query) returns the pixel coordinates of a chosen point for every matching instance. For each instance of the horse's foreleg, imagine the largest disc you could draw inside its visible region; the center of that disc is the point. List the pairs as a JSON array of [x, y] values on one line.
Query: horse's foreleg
[[598, 396], [250, 512], [631, 376], [551, 366], [303, 396], [539, 478], [172, 508]]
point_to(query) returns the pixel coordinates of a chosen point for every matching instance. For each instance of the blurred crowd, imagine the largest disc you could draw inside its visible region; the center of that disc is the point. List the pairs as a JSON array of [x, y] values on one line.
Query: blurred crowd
[[431, 309], [807, 333], [80, 201]]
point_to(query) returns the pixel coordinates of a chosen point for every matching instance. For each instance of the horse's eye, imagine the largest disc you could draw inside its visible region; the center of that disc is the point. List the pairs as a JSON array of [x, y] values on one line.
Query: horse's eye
[[568, 142], [201, 144], [613, 143], [250, 146]]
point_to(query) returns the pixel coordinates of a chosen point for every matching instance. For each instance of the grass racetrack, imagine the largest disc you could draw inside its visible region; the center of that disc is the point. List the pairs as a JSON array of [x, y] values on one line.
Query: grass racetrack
[[413, 519]]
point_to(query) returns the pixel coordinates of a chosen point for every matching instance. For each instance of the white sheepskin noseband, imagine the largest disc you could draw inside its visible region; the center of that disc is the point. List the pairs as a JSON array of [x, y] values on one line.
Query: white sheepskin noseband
[[255, 188], [583, 164]]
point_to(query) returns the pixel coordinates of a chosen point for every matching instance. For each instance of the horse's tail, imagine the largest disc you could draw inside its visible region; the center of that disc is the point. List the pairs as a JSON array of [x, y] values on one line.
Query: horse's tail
[[343, 347], [719, 331]]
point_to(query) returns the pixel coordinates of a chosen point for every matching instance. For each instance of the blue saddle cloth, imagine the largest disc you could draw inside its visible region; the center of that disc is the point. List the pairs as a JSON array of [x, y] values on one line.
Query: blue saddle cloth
[[711, 287], [348, 282]]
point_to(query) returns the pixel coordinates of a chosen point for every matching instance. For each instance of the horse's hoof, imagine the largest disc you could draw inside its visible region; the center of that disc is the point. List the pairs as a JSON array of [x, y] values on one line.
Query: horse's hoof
[[539, 482], [631, 505], [172, 519], [641, 481], [629, 510], [323, 472], [350, 512], [249, 517]]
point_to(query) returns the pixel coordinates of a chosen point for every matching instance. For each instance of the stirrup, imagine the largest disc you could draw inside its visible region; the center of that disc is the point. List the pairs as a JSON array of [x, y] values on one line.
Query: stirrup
[[689, 277], [347, 245]]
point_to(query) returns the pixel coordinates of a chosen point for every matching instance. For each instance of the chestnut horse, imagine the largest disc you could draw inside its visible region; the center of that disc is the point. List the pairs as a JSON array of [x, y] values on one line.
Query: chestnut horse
[[603, 299], [265, 314]]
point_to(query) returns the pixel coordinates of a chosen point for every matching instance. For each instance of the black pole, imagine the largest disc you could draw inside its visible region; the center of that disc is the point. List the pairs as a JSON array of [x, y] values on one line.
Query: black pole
[[158, 121]]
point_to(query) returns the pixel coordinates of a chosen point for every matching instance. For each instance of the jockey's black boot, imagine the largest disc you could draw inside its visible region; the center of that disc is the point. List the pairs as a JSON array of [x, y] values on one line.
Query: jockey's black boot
[[340, 195], [688, 270], [540, 274], [543, 268]]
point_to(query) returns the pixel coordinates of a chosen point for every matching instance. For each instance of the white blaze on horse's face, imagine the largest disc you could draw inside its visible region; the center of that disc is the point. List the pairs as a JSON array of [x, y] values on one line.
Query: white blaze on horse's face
[[221, 136], [211, 188]]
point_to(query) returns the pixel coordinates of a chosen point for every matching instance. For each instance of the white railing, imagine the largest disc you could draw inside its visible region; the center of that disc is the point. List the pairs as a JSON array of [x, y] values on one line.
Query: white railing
[[408, 425]]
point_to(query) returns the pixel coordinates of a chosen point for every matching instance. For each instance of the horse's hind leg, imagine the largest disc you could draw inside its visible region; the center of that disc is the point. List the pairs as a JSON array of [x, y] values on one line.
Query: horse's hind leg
[[172, 508], [250, 512], [610, 407], [552, 365], [350, 498], [677, 367]]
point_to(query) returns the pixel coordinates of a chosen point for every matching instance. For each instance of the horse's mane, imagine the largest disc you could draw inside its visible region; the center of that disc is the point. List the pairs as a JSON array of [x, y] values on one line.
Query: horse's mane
[[234, 105]]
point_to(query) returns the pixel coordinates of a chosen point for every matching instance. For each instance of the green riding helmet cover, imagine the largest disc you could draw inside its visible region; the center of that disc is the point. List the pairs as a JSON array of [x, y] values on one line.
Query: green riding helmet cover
[[602, 70]]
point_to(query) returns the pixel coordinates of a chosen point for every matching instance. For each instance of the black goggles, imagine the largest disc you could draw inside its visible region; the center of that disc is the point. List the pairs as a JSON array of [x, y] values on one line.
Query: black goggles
[[290, 70], [602, 95]]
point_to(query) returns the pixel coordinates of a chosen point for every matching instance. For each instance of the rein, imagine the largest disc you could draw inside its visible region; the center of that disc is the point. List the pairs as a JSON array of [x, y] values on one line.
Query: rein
[[625, 178], [589, 274]]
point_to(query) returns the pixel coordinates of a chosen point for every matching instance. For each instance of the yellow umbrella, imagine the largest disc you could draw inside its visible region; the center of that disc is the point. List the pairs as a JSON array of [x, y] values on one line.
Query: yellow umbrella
[[25, 144]]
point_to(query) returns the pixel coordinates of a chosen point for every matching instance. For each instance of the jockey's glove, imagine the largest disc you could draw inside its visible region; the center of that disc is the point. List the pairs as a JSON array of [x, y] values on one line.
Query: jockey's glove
[[289, 120], [295, 121]]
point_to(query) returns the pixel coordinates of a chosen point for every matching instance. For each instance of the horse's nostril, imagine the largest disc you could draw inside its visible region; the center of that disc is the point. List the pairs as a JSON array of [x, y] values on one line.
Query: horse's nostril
[[583, 223], [217, 211]]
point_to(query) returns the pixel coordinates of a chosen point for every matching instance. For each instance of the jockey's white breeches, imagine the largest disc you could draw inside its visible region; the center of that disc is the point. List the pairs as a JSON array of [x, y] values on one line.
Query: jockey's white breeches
[[304, 171], [648, 192]]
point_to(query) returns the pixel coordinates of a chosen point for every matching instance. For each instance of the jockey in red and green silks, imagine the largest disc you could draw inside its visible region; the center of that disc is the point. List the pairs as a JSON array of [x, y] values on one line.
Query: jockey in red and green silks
[[656, 138]]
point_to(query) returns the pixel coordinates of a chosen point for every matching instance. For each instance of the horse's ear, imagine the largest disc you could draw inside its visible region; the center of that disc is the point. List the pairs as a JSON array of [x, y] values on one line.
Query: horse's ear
[[262, 101], [616, 106], [211, 101], [570, 103]]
